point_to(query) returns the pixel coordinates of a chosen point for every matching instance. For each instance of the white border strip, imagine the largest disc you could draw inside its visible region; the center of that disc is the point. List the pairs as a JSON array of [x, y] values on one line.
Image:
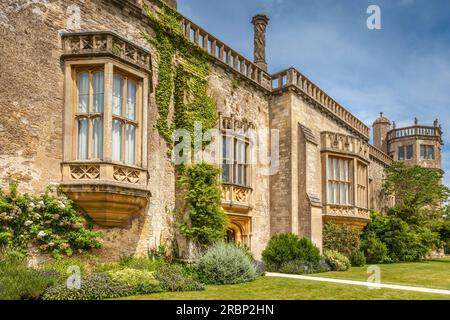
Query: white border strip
[[359, 283]]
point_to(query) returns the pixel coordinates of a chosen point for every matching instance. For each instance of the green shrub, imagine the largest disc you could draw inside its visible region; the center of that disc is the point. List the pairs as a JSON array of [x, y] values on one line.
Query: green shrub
[[357, 259], [341, 238], [61, 265], [374, 250], [284, 248], [337, 261], [226, 264], [404, 243], [139, 263], [141, 281], [17, 281], [174, 278], [96, 286], [300, 267]]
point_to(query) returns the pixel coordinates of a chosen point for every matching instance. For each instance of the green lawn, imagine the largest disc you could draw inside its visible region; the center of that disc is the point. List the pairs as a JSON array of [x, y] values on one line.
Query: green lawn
[[430, 274], [268, 288]]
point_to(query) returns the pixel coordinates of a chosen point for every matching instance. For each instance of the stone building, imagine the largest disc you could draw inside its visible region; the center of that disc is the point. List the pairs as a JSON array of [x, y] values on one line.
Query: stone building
[[413, 145], [78, 110]]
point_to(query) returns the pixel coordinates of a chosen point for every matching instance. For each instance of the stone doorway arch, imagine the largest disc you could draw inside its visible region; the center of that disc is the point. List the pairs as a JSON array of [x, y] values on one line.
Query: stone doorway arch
[[239, 230]]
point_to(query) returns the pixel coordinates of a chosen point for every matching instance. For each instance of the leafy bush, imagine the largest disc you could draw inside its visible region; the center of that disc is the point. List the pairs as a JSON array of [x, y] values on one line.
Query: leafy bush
[[226, 264], [357, 259], [324, 265], [341, 238], [337, 261], [61, 265], [443, 229], [374, 250], [139, 263], [284, 248], [48, 220], [404, 243], [141, 281], [300, 267], [17, 281], [93, 287], [173, 278]]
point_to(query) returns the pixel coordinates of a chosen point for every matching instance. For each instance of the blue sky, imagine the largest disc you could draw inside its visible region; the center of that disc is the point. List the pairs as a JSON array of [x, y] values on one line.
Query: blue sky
[[402, 69]]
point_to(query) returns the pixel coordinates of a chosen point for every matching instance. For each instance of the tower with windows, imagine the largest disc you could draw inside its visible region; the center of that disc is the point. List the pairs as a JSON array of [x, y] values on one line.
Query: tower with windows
[[418, 144]]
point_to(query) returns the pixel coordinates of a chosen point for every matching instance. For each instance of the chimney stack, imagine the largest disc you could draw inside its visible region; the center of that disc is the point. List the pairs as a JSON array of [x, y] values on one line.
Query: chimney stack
[[260, 22]]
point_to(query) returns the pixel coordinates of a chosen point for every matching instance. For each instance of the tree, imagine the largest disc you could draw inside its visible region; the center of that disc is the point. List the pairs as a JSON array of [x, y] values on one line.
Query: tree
[[418, 191]]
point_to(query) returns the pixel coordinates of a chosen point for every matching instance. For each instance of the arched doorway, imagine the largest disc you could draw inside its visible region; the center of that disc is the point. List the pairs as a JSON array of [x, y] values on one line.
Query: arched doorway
[[239, 231], [234, 234], [231, 236]]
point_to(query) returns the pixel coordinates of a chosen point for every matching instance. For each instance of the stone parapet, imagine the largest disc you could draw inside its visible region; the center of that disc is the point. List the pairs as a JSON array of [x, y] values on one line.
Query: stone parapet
[[293, 78], [417, 130], [380, 156], [104, 43], [344, 144]]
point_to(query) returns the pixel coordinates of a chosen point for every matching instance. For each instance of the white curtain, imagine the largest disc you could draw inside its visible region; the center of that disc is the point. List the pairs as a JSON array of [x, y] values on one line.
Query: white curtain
[[83, 92], [131, 100], [98, 87], [117, 140], [130, 150], [97, 138], [82, 139], [117, 95]]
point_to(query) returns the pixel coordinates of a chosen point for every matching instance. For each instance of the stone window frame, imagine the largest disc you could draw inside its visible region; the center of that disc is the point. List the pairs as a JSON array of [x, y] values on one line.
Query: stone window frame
[[405, 151], [424, 152], [340, 176], [110, 66], [356, 201], [90, 115], [233, 166]]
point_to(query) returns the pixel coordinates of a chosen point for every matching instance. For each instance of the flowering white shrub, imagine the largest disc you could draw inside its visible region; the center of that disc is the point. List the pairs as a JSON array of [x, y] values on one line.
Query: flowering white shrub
[[337, 261], [48, 220]]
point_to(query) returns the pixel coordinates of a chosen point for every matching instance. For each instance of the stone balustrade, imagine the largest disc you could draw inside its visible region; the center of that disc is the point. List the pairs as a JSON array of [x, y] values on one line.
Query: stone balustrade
[[380, 155], [292, 77], [225, 54], [427, 131], [101, 43]]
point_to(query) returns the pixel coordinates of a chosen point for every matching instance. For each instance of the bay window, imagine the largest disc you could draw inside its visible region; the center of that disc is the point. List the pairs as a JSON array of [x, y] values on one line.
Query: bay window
[[347, 182], [107, 81], [107, 127]]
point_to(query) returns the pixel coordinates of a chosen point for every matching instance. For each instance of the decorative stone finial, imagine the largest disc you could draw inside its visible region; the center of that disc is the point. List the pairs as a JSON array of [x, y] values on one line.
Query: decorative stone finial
[[260, 22], [436, 122], [381, 114]]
